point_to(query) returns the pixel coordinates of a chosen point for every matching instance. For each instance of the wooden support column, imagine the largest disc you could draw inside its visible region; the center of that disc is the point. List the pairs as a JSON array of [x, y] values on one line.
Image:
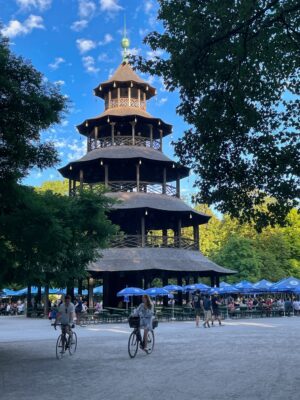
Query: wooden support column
[[151, 134], [138, 177], [161, 139], [139, 98], [74, 187], [119, 96], [179, 283], [79, 287], [109, 99], [165, 237], [112, 124], [90, 292], [88, 144], [179, 232], [165, 283], [81, 179], [143, 230], [217, 279], [196, 236], [129, 96], [133, 131], [96, 133], [164, 185], [106, 175], [70, 186], [178, 186]]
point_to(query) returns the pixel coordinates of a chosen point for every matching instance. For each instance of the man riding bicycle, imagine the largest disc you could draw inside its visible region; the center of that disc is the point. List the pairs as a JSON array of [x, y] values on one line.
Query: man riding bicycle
[[65, 316]]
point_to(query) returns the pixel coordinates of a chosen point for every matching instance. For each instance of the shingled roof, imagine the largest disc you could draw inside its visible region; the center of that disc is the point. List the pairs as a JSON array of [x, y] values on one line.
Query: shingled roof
[[124, 73], [143, 258]]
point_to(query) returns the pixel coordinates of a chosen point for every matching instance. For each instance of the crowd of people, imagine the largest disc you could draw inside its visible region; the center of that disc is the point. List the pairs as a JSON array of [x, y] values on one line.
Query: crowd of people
[[12, 308]]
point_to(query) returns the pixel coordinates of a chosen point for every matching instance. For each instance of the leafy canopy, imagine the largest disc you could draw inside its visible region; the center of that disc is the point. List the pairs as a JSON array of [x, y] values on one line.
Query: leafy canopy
[[28, 105], [236, 65]]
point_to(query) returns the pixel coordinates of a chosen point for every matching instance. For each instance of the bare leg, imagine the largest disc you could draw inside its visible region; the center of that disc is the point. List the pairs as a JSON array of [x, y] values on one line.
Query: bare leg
[[145, 338]]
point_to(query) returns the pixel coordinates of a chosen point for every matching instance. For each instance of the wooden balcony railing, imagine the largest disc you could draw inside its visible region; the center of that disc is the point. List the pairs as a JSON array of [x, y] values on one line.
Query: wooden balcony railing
[[129, 186], [124, 241], [124, 141]]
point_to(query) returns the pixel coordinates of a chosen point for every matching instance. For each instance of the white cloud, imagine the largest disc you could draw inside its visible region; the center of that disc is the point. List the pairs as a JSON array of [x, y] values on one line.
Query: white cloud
[[103, 57], [162, 101], [60, 83], [143, 32], [152, 54], [148, 6], [78, 149], [134, 51], [89, 65], [41, 5], [107, 39], [57, 62], [86, 9], [78, 26], [85, 45], [16, 28], [150, 80], [65, 123], [111, 6]]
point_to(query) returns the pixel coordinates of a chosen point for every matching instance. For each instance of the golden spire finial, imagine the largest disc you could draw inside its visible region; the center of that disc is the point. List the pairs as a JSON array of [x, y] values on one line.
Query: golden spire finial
[[125, 43]]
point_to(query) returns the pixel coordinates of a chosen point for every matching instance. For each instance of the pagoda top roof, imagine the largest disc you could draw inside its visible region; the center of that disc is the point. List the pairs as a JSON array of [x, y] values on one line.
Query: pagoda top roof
[[123, 74]]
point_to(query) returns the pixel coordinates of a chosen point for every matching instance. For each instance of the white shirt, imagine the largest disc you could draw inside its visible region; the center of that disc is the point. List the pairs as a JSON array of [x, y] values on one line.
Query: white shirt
[[66, 313]]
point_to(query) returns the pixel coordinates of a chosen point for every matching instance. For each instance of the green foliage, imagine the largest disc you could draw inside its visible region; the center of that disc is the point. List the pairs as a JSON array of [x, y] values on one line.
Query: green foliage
[[50, 237], [58, 187], [28, 105], [240, 255], [236, 66]]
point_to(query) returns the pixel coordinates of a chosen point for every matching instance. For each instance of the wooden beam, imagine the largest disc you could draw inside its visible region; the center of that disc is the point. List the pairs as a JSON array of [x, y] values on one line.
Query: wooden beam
[[196, 236], [143, 230], [81, 179], [138, 177], [164, 185], [178, 186]]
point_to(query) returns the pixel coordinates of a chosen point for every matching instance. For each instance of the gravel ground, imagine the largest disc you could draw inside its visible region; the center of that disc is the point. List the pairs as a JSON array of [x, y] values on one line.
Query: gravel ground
[[249, 359]]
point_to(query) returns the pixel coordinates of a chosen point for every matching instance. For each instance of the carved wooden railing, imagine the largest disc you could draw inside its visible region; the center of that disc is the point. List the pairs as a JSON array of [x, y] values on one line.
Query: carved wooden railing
[[129, 186], [125, 102], [125, 241], [124, 141]]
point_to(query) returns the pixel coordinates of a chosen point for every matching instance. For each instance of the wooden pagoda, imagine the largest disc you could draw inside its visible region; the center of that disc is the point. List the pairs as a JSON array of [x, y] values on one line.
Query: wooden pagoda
[[125, 153]]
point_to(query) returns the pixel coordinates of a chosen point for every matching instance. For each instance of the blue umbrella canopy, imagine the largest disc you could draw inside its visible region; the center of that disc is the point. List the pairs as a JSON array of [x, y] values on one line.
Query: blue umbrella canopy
[[228, 289], [222, 284], [9, 292], [173, 288], [263, 285], [157, 291], [244, 287], [190, 288], [285, 285], [131, 291]]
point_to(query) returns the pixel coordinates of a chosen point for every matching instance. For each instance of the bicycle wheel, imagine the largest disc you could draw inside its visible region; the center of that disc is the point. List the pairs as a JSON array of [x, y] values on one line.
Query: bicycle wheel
[[59, 348], [132, 345], [151, 341], [72, 343]]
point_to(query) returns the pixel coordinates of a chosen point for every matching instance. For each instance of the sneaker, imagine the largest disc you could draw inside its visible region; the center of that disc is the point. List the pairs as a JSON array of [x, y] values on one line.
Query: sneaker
[[204, 325]]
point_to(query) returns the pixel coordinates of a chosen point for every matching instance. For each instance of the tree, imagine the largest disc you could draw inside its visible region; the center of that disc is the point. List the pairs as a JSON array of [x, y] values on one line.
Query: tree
[[52, 238], [59, 187], [236, 66], [240, 255], [28, 105]]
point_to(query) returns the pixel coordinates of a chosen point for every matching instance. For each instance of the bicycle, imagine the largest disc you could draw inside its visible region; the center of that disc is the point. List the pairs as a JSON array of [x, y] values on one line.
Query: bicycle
[[66, 341], [135, 338]]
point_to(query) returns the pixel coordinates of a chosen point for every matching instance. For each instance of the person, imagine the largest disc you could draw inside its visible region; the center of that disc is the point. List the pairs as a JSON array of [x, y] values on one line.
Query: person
[[78, 310], [65, 314], [145, 311], [215, 309], [197, 306], [207, 311]]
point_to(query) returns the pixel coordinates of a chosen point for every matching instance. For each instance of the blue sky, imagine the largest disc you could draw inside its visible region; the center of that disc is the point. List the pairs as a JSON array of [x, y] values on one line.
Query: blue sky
[[76, 43]]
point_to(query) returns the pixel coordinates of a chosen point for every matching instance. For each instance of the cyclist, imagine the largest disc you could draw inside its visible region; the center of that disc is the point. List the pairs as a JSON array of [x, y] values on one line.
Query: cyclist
[[145, 311], [65, 315]]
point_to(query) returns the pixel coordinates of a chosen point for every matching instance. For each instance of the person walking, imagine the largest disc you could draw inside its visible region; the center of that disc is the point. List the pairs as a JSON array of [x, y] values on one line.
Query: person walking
[[215, 309], [207, 311], [197, 307]]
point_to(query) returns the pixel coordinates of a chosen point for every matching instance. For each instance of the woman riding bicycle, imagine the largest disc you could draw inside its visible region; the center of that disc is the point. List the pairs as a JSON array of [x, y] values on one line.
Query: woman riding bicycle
[[145, 311]]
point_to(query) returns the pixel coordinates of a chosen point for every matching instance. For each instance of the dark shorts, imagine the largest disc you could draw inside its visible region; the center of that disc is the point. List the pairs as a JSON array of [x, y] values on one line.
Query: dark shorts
[[216, 312], [197, 312]]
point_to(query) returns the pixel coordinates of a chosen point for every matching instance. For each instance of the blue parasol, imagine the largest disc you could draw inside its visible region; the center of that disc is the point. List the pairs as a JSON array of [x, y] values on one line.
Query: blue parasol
[[131, 291], [157, 291]]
